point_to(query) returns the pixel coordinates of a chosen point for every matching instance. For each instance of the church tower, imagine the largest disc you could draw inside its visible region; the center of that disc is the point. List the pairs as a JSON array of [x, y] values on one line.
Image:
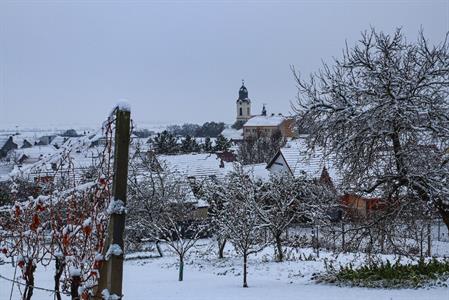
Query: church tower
[[243, 104]]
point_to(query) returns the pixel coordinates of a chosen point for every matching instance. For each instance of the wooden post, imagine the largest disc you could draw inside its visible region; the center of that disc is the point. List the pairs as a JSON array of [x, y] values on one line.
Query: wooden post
[[111, 273]]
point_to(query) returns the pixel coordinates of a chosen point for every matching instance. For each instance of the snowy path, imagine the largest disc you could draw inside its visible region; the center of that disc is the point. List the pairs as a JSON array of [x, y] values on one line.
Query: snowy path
[[208, 278]]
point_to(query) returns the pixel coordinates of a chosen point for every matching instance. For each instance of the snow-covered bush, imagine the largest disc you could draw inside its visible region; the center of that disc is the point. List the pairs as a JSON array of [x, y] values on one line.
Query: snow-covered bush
[[389, 275]]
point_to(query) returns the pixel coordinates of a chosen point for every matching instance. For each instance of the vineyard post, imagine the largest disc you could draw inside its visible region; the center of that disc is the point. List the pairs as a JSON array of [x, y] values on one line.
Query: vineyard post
[[111, 274]]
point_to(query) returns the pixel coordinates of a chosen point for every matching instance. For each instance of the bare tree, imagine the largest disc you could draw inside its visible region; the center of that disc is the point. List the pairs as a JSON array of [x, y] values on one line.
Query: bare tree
[[382, 110], [277, 207], [285, 199], [260, 148], [240, 219], [214, 191], [162, 203]]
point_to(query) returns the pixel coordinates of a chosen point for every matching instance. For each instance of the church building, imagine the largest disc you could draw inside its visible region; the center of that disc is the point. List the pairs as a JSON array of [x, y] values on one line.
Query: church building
[[243, 105], [254, 126]]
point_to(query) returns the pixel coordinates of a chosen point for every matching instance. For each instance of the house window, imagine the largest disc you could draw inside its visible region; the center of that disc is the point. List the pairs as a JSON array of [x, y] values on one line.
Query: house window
[[241, 111]]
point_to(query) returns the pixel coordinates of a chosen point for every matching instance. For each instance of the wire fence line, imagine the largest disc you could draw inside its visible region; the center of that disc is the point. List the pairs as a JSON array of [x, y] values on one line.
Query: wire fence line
[[33, 286], [425, 239]]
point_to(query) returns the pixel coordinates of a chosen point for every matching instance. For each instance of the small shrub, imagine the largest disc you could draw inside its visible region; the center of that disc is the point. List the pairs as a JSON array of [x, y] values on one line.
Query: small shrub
[[389, 275]]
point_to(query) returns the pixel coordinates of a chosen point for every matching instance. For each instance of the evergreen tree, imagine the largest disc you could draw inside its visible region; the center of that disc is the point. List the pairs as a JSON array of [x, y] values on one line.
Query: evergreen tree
[[207, 146], [166, 143], [222, 144], [189, 145]]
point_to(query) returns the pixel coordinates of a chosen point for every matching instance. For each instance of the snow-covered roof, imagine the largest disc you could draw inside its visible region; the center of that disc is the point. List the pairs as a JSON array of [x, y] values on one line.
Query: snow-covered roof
[[58, 141], [3, 140], [196, 165], [232, 134], [275, 120], [98, 135], [19, 140], [301, 162], [41, 158], [205, 165], [259, 171], [36, 152]]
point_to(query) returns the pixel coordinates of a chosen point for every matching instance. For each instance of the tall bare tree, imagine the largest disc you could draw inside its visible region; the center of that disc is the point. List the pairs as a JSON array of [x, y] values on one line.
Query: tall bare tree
[[382, 109], [240, 219], [163, 208], [285, 199]]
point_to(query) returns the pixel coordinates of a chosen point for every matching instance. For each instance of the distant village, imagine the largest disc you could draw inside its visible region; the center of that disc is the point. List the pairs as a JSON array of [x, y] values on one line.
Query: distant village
[[266, 143]]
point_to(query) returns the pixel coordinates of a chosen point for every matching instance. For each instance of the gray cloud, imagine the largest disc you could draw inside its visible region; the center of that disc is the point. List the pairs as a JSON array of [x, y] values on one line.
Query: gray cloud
[[68, 62]]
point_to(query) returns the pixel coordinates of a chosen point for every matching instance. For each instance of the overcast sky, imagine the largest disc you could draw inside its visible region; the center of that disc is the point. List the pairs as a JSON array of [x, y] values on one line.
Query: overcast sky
[[68, 62]]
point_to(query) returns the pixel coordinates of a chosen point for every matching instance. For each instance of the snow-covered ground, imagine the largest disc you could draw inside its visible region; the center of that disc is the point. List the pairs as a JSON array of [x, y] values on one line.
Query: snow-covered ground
[[207, 277]]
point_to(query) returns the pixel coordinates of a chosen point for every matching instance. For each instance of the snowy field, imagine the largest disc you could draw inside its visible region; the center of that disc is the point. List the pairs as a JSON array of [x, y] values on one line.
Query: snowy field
[[207, 277]]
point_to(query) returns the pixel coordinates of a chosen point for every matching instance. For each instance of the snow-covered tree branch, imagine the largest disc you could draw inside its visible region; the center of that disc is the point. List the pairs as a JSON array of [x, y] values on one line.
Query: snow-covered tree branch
[[382, 110]]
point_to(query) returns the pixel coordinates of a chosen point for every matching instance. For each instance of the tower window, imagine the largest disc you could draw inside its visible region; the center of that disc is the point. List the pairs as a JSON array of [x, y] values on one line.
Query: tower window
[[241, 111], [247, 111]]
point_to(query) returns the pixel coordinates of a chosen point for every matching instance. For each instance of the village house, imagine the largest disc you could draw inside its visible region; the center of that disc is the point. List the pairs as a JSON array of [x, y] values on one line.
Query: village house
[[13, 142], [45, 140], [6, 144], [233, 135], [358, 207], [267, 126], [294, 159]]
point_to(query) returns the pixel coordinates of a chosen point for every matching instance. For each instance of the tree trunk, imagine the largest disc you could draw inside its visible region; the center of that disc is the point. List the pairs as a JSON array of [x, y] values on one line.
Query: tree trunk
[[181, 268], [280, 253], [429, 239], [74, 285], [29, 279], [159, 250], [59, 268], [245, 262], [444, 212], [221, 246]]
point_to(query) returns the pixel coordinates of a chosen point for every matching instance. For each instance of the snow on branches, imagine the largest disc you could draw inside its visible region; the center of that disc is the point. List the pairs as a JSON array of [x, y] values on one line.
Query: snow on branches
[[163, 208], [237, 216], [61, 220], [383, 111]]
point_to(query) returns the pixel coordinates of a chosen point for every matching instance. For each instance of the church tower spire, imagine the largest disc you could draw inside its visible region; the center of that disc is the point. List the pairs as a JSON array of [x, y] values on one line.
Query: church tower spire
[[243, 104], [264, 110]]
